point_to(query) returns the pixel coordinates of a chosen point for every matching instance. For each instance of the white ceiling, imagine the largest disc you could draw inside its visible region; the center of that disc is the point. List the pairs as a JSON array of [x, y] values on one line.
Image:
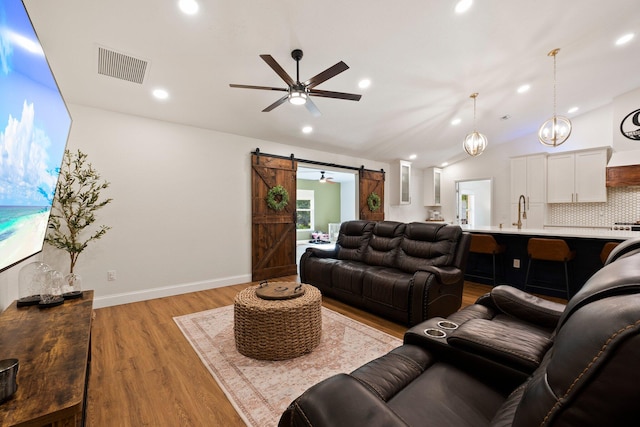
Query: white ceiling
[[424, 61]]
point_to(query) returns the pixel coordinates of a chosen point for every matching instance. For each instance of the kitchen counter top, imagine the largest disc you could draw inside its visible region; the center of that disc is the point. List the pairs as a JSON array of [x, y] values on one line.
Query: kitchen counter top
[[576, 232]]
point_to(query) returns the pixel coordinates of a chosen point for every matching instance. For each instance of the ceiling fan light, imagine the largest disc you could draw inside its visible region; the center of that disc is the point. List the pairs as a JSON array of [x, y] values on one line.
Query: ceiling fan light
[[297, 98], [322, 178], [475, 143]]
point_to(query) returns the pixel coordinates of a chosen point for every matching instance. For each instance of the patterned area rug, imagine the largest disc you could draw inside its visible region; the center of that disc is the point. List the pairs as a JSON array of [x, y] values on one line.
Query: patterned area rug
[[261, 390]]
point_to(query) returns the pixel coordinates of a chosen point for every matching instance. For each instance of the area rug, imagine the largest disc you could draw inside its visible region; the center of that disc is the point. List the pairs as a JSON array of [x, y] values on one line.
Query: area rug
[[261, 390]]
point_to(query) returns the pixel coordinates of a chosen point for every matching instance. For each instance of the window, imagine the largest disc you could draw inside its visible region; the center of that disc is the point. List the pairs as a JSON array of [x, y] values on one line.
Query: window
[[304, 210]]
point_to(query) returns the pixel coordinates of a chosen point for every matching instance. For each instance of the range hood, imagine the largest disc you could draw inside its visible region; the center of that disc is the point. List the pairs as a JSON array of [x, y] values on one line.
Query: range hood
[[623, 169]]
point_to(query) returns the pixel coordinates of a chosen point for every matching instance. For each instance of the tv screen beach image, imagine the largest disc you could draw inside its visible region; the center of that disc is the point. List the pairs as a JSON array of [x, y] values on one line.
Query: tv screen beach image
[[34, 125]]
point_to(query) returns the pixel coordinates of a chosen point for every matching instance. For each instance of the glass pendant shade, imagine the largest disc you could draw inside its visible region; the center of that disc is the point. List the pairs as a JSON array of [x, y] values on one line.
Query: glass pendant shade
[[475, 143], [555, 131]]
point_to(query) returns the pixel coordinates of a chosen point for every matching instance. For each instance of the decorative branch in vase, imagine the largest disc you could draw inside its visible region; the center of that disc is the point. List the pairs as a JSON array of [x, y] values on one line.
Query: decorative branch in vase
[[76, 201]]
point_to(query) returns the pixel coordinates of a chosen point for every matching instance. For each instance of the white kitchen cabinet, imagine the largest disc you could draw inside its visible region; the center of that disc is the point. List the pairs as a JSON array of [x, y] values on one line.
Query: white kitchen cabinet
[[529, 179], [577, 177], [432, 185], [401, 183]]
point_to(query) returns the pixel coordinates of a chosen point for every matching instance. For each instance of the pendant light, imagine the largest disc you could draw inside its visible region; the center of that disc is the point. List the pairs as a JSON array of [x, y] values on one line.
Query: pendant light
[[475, 143], [557, 129]]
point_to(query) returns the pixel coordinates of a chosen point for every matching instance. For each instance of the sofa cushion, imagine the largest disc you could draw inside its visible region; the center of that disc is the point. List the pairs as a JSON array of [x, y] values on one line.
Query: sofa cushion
[[446, 396], [387, 291], [348, 277], [384, 243], [317, 271], [353, 239], [426, 244]]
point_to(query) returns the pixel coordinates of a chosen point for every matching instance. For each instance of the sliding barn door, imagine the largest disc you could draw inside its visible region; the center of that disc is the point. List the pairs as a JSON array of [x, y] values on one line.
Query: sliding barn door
[[371, 182], [273, 233]]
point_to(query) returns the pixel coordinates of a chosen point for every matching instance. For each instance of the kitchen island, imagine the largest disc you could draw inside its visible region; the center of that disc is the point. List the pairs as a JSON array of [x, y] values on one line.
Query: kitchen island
[[512, 265]]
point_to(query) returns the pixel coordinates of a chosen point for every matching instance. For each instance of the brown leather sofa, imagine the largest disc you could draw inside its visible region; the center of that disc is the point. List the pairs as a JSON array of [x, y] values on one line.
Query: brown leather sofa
[[587, 377], [404, 272]]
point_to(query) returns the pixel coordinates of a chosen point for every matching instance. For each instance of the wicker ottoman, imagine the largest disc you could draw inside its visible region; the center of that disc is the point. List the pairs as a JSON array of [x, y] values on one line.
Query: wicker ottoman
[[277, 329]]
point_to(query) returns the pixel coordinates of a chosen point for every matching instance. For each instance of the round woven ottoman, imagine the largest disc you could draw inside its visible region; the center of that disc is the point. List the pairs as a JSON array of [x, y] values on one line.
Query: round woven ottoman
[[277, 329]]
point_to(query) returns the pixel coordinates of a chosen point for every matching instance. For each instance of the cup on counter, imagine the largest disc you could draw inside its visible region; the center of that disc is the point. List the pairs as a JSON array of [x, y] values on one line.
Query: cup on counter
[[8, 374]]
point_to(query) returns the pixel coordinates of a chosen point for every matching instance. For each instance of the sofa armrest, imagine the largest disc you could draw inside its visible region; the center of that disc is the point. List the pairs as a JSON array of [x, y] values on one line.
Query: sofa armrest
[[323, 405], [518, 348], [445, 275], [322, 253], [527, 307]]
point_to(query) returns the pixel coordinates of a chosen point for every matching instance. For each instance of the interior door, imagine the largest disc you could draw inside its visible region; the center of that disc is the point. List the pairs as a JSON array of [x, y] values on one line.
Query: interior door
[[273, 234], [371, 182]]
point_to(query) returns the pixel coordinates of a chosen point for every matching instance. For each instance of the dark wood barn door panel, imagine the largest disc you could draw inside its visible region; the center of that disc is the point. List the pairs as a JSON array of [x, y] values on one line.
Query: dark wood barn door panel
[[273, 234], [371, 182]]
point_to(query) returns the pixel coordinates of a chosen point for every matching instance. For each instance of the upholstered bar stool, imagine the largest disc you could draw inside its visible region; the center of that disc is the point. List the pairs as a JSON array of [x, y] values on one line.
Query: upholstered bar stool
[[606, 250], [486, 244], [555, 250]]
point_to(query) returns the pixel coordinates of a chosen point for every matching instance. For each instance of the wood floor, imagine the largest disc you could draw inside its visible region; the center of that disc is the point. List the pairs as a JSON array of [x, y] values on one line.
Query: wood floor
[[145, 373]]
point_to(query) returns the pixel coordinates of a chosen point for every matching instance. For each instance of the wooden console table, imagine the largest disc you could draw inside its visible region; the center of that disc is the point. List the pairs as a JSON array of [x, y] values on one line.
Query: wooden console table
[[53, 347]]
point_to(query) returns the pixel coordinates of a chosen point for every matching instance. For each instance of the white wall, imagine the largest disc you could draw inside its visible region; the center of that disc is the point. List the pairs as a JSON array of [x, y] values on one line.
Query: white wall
[[181, 214]]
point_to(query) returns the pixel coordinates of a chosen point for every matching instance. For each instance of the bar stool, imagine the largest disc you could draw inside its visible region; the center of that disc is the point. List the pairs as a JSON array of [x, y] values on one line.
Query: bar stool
[[486, 244], [606, 250], [555, 250]]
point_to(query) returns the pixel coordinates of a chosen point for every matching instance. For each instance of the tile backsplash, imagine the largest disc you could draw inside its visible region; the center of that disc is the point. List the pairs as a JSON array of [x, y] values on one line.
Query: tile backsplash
[[622, 205]]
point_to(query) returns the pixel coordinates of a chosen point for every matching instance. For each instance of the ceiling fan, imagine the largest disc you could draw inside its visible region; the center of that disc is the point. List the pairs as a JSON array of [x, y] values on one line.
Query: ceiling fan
[[324, 179], [298, 93]]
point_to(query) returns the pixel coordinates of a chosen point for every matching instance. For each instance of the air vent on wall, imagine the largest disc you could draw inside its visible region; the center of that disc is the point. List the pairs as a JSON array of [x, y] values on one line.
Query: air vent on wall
[[121, 66]]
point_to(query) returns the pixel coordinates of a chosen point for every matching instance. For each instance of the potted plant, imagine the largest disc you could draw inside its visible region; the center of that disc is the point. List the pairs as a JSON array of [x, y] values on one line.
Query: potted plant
[[73, 211]]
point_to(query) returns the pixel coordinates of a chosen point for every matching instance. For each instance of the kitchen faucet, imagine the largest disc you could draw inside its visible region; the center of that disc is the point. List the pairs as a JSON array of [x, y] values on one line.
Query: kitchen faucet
[[522, 214]]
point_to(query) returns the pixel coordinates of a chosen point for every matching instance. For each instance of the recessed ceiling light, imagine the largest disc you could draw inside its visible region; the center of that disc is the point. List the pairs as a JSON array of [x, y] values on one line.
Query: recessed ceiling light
[[160, 94], [572, 110], [463, 5], [624, 39], [190, 7], [307, 129], [413, 156], [524, 88], [445, 164], [364, 83], [456, 121]]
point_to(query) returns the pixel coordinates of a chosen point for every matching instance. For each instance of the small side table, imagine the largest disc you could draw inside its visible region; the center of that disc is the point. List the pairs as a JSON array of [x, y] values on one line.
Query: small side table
[[277, 329]]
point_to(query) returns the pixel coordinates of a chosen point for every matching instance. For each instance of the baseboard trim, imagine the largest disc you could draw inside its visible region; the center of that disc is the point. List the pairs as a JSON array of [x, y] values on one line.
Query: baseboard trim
[[166, 291]]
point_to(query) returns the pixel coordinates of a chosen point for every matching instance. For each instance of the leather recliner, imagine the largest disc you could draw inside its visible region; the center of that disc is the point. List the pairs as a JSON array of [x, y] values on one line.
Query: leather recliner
[[587, 377]]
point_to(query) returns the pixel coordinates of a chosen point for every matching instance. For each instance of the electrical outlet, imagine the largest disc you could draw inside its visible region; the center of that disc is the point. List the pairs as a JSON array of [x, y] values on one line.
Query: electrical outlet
[[111, 275], [516, 263]]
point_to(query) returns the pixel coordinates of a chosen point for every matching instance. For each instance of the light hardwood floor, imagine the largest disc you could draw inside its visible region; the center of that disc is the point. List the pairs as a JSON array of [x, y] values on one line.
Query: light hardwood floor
[[145, 373]]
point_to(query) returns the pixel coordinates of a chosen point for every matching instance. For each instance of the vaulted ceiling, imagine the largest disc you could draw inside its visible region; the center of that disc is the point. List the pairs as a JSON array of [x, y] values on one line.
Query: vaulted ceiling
[[423, 60]]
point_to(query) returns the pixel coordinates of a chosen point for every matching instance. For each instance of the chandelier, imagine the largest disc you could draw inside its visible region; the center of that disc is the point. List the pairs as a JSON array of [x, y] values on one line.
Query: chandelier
[[474, 143], [557, 129]]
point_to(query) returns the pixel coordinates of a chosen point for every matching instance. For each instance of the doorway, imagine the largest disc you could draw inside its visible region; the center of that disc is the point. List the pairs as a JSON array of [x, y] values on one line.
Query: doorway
[[474, 201]]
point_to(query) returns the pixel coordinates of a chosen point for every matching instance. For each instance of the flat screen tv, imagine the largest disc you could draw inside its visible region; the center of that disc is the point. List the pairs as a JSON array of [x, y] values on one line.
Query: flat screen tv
[[34, 125]]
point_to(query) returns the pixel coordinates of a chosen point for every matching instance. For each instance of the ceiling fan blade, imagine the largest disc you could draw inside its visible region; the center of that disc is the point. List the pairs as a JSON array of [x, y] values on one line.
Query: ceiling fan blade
[[339, 95], [258, 87], [278, 69], [275, 104], [326, 74], [312, 108]]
